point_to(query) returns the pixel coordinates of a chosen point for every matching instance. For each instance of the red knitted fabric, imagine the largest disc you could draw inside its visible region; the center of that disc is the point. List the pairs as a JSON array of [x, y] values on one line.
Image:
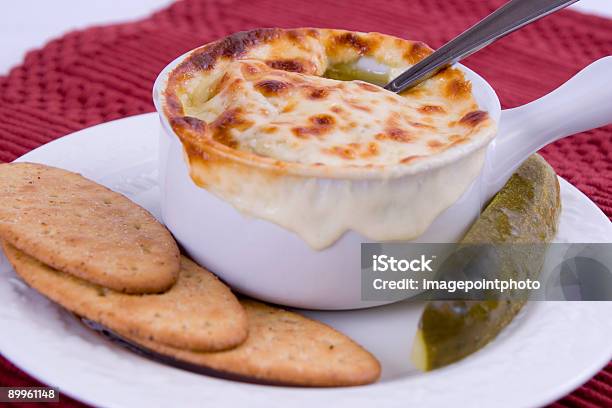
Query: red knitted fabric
[[104, 73]]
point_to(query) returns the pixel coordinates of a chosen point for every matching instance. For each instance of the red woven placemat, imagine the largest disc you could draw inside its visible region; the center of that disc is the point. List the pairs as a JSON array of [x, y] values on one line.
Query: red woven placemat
[[104, 73]]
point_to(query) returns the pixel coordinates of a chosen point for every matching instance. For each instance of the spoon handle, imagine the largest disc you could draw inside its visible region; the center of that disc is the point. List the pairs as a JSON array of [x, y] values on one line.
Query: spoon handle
[[503, 21]]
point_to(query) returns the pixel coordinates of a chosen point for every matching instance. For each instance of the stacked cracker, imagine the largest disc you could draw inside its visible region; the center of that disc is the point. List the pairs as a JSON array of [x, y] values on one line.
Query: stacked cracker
[[106, 259]]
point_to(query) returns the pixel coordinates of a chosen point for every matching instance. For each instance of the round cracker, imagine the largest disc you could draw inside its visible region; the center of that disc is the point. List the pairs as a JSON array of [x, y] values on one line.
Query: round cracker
[[282, 348], [80, 227], [199, 312]]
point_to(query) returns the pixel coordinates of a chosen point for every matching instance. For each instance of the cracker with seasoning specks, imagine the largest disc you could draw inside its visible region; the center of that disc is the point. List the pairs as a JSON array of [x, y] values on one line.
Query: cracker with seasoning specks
[[80, 227], [282, 348], [198, 313]]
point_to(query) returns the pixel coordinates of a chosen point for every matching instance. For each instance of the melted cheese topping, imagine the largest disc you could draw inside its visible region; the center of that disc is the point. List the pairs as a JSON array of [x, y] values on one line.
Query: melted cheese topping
[[265, 131], [308, 119]]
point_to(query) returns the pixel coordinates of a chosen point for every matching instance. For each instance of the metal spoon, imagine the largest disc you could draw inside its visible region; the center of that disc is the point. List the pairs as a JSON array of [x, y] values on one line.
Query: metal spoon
[[503, 21]]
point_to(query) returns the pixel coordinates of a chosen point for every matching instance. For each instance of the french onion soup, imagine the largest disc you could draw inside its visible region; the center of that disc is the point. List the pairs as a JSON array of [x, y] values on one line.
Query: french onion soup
[[293, 127]]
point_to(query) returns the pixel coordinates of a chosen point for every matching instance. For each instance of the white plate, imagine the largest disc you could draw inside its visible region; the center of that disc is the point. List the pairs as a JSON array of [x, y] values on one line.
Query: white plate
[[548, 350]]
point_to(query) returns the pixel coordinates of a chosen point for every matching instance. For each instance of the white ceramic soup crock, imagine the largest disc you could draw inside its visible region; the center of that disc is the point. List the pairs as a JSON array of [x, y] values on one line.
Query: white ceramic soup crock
[[263, 260]]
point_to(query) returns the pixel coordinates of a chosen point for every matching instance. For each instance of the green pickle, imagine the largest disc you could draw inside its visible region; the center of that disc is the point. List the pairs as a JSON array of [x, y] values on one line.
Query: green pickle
[[525, 210]]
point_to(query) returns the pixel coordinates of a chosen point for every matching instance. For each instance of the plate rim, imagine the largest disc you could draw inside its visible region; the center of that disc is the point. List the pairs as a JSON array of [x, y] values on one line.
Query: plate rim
[[552, 396]]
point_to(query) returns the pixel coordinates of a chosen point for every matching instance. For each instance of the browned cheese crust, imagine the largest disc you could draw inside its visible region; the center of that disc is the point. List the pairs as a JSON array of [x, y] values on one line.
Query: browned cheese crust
[[280, 70]]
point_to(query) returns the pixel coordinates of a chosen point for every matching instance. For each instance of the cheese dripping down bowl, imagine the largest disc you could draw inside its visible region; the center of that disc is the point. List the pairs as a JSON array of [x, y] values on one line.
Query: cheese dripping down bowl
[[280, 153]]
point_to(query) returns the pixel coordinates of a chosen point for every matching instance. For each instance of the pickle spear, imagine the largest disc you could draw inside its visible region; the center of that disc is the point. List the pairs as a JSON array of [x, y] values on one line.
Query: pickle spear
[[525, 210]]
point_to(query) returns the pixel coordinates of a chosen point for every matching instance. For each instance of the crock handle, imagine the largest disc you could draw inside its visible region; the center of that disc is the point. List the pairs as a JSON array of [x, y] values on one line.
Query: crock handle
[[582, 103]]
